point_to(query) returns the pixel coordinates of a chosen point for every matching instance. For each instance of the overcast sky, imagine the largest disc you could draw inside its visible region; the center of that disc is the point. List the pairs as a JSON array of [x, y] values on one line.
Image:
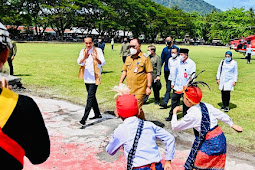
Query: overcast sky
[[226, 4]]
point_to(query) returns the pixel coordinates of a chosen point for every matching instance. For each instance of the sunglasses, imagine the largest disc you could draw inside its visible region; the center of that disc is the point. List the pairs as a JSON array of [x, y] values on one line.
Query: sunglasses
[[132, 46]]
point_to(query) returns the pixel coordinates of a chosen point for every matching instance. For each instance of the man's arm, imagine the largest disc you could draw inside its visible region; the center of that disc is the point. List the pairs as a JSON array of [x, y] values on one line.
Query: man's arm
[[36, 138], [162, 57], [123, 76], [168, 140], [99, 57], [82, 57], [121, 50], [149, 79], [158, 68]]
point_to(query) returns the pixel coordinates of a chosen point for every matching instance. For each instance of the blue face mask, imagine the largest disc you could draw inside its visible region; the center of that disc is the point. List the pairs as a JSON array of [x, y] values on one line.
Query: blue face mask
[[228, 59]]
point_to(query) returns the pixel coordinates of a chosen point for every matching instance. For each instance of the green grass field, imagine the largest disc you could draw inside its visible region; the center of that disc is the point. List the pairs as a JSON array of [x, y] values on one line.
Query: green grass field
[[51, 70]]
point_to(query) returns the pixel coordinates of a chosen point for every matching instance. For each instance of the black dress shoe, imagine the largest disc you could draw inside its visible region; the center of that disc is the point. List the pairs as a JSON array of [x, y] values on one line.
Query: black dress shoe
[[95, 117], [226, 109], [168, 119], [82, 122], [163, 105]]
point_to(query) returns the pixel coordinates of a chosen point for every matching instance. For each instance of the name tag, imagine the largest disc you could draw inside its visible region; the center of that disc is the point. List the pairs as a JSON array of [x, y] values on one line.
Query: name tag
[[135, 70]]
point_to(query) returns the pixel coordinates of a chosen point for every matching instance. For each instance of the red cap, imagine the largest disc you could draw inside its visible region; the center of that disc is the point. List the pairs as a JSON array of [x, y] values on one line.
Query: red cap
[[194, 94], [126, 105]]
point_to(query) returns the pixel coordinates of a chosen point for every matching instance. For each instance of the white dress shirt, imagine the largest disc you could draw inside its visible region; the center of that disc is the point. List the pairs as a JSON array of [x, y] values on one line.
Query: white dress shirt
[[172, 64], [228, 75], [147, 151], [89, 75], [181, 73], [194, 116]]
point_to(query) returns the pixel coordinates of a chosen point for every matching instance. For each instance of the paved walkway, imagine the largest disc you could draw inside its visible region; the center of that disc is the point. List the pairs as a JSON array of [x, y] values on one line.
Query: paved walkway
[[84, 149]]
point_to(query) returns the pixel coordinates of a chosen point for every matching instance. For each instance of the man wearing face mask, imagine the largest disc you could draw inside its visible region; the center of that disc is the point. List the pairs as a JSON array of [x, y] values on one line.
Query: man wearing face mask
[[156, 64], [173, 62], [165, 55], [124, 51], [179, 77], [226, 78], [137, 71]]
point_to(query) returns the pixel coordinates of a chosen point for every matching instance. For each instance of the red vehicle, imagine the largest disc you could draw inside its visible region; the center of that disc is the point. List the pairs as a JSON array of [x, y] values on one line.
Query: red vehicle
[[240, 45], [234, 43]]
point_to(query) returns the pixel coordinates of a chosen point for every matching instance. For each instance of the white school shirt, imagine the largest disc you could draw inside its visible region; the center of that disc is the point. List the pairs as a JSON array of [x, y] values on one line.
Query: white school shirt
[[193, 118], [89, 75], [172, 63], [228, 75], [147, 151], [181, 73]]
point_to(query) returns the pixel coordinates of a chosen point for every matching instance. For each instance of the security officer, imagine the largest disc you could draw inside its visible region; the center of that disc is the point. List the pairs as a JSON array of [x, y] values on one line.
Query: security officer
[[165, 55], [137, 71], [156, 64], [22, 129]]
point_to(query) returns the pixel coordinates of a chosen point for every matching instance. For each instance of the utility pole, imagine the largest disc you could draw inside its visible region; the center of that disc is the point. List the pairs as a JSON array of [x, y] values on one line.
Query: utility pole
[[169, 5]]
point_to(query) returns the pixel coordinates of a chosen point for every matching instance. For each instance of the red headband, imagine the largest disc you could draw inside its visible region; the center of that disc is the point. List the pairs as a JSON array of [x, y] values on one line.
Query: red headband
[[194, 94], [126, 105]]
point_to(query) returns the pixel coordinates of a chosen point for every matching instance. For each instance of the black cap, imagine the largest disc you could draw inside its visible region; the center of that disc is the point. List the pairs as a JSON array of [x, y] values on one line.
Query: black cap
[[184, 50]]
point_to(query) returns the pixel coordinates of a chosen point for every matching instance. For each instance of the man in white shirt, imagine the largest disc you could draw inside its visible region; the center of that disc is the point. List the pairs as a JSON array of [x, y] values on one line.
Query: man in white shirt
[[173, 62], [92, 58], [180, 76]]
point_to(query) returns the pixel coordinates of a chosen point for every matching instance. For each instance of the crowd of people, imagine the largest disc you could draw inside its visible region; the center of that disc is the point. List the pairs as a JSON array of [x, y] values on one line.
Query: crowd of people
[[141, 72]]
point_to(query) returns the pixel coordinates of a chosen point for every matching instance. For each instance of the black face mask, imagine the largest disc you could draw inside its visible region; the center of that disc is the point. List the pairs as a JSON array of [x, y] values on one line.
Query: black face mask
[[125, 41], [169, 42]]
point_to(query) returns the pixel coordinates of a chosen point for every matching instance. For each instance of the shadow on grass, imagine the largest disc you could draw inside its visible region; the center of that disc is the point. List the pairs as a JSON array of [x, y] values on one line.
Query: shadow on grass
[[105, 72], [149, 101], [110, 112], [21, 75], [231, 105]]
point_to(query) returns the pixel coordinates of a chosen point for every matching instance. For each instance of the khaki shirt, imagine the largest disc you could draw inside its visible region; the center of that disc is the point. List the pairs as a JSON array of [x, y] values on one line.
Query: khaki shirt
[[156, 64], [137, 70], [124, 51]]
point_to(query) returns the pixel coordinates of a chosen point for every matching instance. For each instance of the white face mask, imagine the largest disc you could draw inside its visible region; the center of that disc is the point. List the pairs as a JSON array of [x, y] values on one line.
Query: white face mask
[[182, 58], [148, 54], [174, 55], [133, 51]]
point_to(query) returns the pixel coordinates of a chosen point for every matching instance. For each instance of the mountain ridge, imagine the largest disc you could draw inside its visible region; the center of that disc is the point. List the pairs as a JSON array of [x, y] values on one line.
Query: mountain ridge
[[189, 6]]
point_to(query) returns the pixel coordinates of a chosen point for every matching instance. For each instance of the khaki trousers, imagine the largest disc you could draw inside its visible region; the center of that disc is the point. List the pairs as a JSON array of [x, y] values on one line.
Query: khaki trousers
[[140, 99]]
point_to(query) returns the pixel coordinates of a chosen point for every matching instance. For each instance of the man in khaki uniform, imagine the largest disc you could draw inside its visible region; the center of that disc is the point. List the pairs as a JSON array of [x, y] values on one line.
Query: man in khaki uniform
[[137, 71], [156, 65], [124, 51]]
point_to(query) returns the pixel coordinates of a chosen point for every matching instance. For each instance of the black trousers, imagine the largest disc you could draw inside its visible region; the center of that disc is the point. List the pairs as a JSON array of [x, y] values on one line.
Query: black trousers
[[225, 96], [124, 59], [91, 101], [168, 88], [175, 101], [249, 57], [155, 92], [10, 65]]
